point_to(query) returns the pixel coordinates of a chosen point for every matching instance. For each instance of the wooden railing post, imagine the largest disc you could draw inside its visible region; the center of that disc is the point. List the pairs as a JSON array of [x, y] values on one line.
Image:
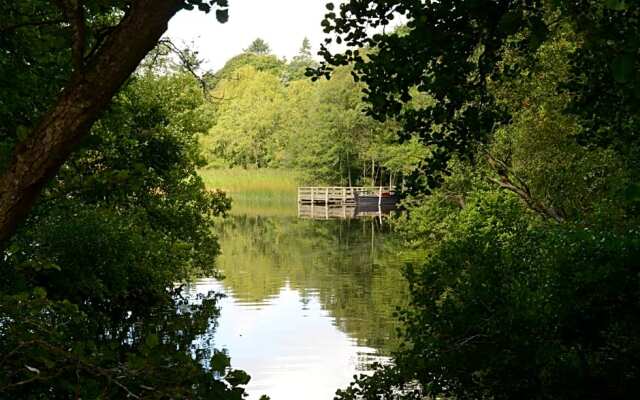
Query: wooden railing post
[[340, 195]]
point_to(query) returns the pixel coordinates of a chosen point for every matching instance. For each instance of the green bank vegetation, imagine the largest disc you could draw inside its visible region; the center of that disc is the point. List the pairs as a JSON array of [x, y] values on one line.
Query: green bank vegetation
[[527, 202], [90, 302], [255, 191]]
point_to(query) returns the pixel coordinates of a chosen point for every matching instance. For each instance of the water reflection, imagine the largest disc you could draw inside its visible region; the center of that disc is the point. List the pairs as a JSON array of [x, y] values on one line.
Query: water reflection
[[309, 302], [343, 211], [288, 345]]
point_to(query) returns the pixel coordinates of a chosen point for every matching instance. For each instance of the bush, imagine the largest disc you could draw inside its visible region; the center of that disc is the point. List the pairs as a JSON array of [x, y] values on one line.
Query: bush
[[507, 307]]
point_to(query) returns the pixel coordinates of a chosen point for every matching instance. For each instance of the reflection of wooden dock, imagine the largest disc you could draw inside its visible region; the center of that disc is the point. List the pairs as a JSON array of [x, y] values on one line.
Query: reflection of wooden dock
[[344, 211], [313, 211], [340, 195]]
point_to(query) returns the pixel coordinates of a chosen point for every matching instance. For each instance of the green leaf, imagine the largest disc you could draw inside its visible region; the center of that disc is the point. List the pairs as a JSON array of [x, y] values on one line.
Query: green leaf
[[204, 7], [151, 341], [220, 362], [222, 16], [617, 5], [22, 132], [39, 292], [622, 67], [237, 377]]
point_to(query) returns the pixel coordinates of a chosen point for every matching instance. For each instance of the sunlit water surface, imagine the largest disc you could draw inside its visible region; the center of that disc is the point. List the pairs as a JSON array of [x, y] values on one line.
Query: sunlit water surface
[[308, 303]]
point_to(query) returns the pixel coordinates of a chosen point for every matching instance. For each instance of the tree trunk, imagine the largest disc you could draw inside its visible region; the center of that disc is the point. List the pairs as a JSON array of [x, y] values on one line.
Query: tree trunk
[[349, 169], [373, 171], [341, 171], [69, 120]]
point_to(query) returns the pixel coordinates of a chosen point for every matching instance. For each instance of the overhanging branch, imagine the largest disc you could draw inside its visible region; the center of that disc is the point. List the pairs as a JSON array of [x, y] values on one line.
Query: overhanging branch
[[13, 27], [36, 159], [187, 63], [511, 182], [74, 12]]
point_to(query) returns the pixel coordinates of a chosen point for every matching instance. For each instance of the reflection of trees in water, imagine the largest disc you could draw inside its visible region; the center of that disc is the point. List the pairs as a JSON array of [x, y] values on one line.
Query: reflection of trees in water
[[348, 264]]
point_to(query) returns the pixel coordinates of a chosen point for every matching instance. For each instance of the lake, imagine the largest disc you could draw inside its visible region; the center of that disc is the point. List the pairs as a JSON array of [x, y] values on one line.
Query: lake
[[308, 303]]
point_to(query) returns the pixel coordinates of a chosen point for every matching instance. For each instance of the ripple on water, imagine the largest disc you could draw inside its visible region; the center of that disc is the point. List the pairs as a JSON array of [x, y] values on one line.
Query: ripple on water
[[307, 304]]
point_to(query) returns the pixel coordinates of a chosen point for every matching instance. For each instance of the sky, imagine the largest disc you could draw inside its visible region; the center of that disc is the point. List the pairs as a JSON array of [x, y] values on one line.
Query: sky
[[281, 23]]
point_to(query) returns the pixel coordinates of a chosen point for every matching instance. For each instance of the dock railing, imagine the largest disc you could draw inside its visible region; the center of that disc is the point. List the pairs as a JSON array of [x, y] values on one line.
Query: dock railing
[[338, 194]]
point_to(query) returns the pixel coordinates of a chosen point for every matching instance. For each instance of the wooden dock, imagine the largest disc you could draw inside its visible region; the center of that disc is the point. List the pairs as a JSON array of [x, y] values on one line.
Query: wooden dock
[[339, 195]]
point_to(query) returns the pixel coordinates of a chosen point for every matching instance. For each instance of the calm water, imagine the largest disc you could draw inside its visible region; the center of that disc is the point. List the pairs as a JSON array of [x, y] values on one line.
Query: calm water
[[308, 303]]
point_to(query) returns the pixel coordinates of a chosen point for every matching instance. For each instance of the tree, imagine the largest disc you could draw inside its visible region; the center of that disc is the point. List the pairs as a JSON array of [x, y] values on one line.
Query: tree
[[505, 307], [103, 56], [247, 121], [262, 63], [452, 49], [526, 206], [305, 48], [88, 283], [259, 47], [267, 119], [298, 66]]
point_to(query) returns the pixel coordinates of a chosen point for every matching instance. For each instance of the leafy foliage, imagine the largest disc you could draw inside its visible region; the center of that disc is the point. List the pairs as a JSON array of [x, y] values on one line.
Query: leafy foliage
[[301, 62], [89, 303], [523, 208], [270, 116], [452, 50], [246, 123], [259, 47], [492, 318]]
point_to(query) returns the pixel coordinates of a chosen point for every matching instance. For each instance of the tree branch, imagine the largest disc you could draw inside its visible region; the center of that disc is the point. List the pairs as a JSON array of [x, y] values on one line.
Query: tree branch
[[50, 143], [521, 189], [191, 67], [185, 62], [100, 37], [74, 12], [9, 28], [111, 375]]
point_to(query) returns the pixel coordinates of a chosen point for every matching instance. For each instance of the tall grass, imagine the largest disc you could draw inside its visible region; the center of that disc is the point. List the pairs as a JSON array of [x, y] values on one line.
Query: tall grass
[[264, 191]]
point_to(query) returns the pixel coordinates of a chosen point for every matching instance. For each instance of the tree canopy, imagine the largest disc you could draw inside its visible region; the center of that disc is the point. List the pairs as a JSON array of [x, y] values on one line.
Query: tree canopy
[[271, 115], [452, 50], [526, 204], [66, 61], [259, 47], [515, 125], [102, 213]]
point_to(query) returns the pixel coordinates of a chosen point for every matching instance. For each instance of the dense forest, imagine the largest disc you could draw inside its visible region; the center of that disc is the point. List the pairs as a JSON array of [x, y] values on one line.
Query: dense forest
[[511, 128], [527, 201], [269, 114], [91, 304]]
